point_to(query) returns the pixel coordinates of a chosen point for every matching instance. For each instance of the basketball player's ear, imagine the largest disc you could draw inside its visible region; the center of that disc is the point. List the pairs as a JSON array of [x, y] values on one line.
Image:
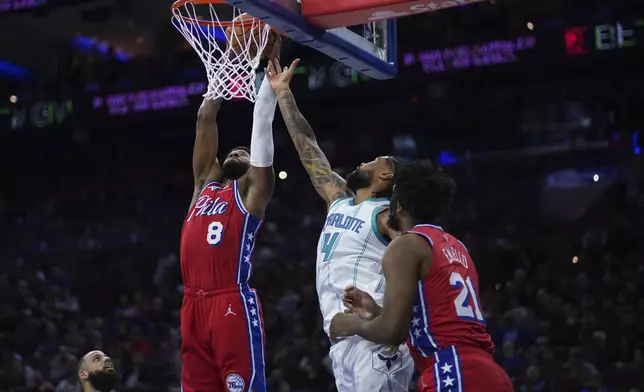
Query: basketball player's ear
[[83, 375], [386, 175]]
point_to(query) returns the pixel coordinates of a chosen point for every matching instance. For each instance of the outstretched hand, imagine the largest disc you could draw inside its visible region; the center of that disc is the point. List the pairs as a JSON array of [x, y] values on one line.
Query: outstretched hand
[[280, 78], [360, 302]]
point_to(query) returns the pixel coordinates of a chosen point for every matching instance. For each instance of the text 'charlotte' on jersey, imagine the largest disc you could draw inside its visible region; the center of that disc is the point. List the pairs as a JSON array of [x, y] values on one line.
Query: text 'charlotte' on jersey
[[350, 252], [447, 311], [217, 239]]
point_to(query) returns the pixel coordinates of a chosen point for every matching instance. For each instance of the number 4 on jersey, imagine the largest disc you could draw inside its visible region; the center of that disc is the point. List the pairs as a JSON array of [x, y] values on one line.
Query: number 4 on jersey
[[328, 244], [465, 296]]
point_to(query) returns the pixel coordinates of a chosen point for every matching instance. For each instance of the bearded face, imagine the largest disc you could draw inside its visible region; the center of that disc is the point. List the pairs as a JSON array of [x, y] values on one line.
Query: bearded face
[[394, 220], [98, 371], [234, 168], [104, 380]]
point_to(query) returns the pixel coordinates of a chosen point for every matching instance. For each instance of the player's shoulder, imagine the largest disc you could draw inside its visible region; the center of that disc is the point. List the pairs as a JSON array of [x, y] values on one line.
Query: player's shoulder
[[344, 200], [409, 238], [376, 204], [433, 234], [410, 245], [350, 201]]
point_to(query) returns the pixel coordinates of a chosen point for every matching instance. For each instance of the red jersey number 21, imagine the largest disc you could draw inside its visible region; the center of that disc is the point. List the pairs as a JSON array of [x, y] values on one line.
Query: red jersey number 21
[[467, 302]]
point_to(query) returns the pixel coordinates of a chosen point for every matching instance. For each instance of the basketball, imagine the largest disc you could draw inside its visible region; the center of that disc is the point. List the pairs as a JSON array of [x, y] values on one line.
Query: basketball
[[237, 37]]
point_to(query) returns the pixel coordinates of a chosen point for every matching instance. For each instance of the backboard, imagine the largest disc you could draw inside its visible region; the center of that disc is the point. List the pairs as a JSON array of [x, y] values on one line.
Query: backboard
[[359, 33], [372, 51]]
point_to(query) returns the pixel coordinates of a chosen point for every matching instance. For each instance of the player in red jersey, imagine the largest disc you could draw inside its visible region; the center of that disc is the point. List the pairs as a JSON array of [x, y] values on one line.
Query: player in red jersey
[[431, 295], [221, 318]]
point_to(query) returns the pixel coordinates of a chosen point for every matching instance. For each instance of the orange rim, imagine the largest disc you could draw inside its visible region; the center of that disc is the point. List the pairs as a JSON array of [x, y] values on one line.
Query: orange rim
[[228, 23], [180, 3], [205, 23]]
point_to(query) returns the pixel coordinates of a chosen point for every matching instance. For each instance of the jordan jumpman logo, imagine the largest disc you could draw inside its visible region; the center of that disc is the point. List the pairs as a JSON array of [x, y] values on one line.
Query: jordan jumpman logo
[[230, 311]]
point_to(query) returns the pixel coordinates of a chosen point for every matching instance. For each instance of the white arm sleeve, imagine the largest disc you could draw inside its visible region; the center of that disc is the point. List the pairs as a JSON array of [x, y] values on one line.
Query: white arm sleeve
[[261, 140]]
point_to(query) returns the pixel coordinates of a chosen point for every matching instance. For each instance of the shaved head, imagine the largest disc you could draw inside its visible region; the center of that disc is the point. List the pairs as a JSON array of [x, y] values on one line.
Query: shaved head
[[377, 176], [96, 372]]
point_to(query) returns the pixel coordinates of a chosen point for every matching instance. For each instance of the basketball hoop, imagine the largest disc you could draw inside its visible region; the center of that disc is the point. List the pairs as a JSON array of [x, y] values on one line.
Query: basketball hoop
[[230, 66]]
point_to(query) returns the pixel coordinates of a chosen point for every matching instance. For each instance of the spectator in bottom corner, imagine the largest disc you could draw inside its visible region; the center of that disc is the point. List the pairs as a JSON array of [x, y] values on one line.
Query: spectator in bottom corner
[[96, 373], [578, 373], [533, 381]]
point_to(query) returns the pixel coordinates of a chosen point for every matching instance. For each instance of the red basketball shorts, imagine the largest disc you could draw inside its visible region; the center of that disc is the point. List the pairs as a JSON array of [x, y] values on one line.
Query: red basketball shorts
[[463, 370], [222, 341]]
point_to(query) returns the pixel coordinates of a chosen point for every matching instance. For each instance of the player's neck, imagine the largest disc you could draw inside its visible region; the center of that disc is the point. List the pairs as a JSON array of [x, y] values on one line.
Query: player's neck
[[362, 195], [406, 223], [227, 182]]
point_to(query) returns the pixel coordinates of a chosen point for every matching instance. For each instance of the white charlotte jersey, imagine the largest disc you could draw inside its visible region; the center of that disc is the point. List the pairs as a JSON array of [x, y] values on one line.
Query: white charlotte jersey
[[350, 252]]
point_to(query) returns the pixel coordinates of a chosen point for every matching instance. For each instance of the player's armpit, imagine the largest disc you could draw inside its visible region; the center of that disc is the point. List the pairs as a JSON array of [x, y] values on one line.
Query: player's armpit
[[402, 264], [327, 183], [205, 166]]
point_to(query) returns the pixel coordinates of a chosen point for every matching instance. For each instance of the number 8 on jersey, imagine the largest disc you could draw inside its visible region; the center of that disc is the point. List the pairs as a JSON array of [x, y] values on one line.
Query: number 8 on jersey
[[215, 232]]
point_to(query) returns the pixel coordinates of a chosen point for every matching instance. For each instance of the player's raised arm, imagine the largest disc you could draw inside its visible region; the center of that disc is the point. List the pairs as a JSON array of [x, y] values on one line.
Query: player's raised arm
[[205, 166], [327, 183], [259, 182]]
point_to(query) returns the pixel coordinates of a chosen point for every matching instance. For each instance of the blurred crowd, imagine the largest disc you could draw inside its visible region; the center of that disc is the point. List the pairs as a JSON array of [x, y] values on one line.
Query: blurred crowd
[[89, 261], [97, 64], [90, 220]]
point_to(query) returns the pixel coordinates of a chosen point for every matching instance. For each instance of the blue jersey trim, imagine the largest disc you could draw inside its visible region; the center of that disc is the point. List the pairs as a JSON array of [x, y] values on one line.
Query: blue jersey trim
[[255, 340], [238, 198], [447, 370], [247, 245], [419, 331], [240, 261]]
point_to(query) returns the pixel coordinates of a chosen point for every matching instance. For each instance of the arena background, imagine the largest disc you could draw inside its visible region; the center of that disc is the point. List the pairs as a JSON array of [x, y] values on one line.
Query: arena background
[[534, 107]]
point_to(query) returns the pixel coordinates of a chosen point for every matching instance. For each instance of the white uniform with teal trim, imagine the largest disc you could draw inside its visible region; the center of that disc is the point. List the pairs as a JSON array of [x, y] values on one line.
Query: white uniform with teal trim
[[350, 252]]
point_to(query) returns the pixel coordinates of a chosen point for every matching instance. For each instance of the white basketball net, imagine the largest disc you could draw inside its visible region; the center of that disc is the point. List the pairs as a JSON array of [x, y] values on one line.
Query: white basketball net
[[231, 73]]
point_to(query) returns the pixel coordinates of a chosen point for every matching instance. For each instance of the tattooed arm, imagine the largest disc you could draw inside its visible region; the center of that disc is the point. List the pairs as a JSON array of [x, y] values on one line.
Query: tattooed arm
[[327, 183]]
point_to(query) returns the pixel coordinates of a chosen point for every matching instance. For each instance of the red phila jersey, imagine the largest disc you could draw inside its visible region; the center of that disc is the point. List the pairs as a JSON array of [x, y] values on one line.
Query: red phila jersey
[[447, 310], [217, 239]]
